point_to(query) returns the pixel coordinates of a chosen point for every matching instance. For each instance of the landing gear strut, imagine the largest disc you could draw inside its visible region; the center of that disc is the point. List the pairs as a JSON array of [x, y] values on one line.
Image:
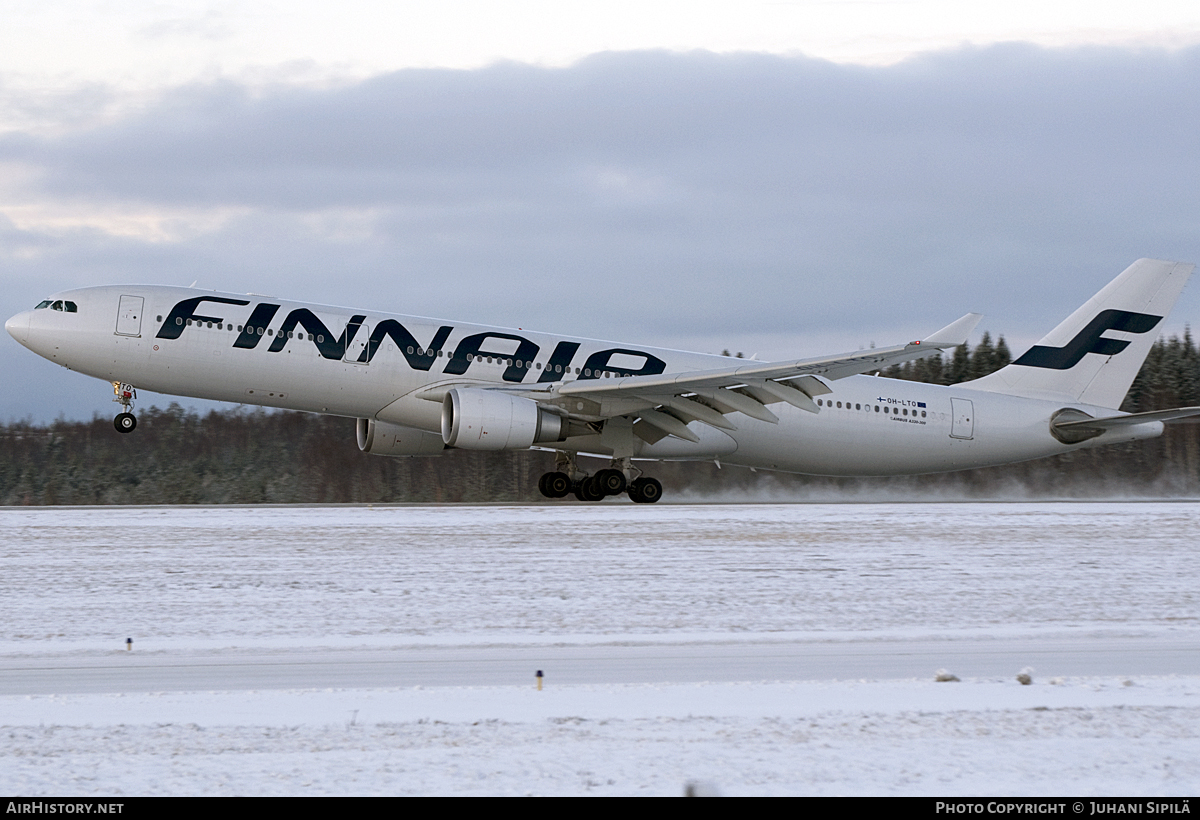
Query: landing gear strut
[[125, 422], [614, 480]]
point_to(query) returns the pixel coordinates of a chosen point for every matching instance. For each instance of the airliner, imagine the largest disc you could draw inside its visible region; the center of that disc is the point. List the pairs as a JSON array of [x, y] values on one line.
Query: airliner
[[419, 386]]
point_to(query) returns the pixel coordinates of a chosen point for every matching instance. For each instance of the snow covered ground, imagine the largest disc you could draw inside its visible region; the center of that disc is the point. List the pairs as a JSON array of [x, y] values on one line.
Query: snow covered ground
[[644, 618]]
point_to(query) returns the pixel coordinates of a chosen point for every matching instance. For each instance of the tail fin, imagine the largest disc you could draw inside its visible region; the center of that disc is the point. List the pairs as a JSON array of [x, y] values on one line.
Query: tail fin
[[1076, 361]]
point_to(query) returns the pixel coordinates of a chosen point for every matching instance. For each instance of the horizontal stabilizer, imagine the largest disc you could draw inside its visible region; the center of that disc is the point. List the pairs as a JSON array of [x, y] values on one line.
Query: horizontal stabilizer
[[1109, 422]]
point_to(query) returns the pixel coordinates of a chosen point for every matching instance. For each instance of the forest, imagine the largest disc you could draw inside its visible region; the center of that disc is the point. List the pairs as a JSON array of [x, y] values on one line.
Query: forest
[[252, 456]]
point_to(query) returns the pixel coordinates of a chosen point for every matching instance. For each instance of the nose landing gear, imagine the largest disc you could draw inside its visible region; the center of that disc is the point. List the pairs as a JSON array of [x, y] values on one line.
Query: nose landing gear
[[124, 394]]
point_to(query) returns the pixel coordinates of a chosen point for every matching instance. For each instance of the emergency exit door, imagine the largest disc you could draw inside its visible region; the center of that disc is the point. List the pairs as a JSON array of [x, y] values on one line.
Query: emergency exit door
[[129, 316], [963, 423], [358, 340]]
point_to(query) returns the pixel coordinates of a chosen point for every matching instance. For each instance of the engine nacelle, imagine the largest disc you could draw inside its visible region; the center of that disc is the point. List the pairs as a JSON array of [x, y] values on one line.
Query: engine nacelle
[[382, 439], [493, 420]]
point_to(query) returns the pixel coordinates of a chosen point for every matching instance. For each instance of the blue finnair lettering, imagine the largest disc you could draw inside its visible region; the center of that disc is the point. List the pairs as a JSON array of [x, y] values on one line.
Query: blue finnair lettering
[[256, 326], [328, 347], [178, 318], [472, 346], [419, 356], [1089, 340], [560, 362], [598, 363]]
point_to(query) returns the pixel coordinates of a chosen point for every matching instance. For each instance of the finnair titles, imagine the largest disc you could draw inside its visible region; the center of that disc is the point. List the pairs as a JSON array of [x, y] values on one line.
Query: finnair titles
[[419, 387]]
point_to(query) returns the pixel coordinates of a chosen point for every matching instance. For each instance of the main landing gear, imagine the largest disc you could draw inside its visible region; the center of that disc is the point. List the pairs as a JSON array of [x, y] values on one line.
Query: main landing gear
[[568, 478], [125, 422]]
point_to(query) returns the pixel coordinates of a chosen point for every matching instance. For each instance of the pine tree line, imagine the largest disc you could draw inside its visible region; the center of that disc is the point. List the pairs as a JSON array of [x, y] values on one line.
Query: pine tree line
[[965, 364], [243, 456]]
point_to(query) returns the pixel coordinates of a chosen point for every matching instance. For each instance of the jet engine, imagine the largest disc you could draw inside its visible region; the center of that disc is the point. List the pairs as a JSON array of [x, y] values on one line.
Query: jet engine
[[494, 420], [382, 439]]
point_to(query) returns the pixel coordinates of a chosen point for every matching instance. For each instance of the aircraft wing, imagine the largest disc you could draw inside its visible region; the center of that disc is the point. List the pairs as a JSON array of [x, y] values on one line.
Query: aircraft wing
[[667, 402]]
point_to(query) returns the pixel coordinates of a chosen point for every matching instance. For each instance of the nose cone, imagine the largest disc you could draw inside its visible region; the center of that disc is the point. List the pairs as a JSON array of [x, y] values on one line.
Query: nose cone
[[18, 327]]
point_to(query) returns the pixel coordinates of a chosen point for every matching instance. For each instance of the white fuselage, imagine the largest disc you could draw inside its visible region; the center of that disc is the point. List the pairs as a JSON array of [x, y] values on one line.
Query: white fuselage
[[228, 347]]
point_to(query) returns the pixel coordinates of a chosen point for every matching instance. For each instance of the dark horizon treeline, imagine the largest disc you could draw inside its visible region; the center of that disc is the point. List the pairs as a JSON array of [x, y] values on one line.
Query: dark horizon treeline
[[251, 456]]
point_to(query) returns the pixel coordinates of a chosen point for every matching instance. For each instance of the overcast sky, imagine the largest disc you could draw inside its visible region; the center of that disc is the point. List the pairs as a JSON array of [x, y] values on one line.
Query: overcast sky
[[789, 179]]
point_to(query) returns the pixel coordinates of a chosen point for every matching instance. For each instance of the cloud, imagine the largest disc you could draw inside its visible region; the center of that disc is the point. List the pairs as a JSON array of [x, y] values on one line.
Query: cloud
[[736, 200]]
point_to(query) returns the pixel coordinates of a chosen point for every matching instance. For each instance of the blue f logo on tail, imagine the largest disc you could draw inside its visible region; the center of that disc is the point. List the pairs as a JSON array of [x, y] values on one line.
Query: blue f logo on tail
[[1089, 340]]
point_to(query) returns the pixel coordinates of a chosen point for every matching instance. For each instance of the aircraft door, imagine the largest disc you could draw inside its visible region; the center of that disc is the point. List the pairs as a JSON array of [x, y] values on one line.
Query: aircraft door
[[963, 424], [356, 348], [129, 316]]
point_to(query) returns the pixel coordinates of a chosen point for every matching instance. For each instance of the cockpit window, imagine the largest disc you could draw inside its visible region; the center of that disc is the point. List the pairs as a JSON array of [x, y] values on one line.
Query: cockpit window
[[58, 304]]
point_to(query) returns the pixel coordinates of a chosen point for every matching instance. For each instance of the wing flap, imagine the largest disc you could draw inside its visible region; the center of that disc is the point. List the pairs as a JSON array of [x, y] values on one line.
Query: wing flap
[[699, 412], [739, 403], [668, 424]]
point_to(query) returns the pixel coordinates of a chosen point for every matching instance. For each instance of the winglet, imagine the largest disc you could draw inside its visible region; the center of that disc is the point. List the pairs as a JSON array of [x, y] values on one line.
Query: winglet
[[955, 333]]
